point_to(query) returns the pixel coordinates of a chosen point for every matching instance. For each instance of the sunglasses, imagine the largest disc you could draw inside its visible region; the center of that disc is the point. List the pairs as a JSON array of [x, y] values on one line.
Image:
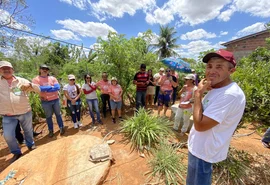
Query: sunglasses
[[72, 80], [45, 69], [88, 77], [168, 70]]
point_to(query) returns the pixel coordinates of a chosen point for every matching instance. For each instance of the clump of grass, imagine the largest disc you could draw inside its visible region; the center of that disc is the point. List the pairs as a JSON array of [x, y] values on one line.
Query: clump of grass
[[167, 164], [234, 170], [145, 130]]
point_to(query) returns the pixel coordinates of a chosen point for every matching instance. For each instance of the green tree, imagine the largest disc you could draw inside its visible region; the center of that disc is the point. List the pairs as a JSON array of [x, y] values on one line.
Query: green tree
[[121, 57], [166, 42]]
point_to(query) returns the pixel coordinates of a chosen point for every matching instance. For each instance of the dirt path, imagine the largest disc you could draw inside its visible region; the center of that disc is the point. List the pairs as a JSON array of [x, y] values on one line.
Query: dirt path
[[129, 167]]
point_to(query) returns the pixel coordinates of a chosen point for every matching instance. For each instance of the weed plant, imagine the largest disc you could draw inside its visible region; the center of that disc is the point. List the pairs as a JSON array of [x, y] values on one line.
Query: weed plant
[[167, 164], [145, 130]]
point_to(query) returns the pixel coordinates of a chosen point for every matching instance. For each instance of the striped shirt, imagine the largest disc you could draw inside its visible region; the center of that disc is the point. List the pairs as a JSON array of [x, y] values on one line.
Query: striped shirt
[[141, 77]]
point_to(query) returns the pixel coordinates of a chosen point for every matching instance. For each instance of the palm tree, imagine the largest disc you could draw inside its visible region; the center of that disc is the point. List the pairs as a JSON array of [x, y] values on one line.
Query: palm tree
[[166, 42]]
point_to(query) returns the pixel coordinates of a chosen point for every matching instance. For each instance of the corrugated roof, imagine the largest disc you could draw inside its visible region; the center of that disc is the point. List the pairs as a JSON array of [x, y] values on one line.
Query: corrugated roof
[[246, 37]]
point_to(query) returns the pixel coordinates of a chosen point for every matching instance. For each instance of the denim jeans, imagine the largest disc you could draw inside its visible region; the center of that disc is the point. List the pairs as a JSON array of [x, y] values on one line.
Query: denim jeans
[[199, 171], [93, 103], [75, 110], [266, 137], [9, 126], [49, 108], [105, 98], [140, 99]]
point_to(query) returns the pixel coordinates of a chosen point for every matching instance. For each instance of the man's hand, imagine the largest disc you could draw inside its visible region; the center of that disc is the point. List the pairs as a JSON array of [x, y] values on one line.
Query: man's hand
[[204, 86], [25, 87]]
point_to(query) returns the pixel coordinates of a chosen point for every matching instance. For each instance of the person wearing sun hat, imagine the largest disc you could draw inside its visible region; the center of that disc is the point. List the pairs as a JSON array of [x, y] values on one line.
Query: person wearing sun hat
[[184, 110], [49, 96], [15, 107], [215, 116], [72, 92], [115, 92]]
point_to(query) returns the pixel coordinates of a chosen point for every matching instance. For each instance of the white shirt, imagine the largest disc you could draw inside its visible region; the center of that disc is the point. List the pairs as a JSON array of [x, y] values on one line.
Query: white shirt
[[156, 77], [92, 95], [226, 106], [72, 90]]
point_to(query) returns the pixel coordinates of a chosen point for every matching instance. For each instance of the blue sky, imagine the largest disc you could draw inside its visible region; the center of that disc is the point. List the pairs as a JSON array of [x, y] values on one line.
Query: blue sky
[[200, 24]]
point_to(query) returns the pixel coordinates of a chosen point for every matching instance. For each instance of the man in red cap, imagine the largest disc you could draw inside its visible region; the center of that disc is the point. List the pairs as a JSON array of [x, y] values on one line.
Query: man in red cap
[[215, 116]]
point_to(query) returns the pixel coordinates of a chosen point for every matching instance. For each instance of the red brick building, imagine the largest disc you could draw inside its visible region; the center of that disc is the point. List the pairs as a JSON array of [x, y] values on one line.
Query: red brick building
[[245, 45]]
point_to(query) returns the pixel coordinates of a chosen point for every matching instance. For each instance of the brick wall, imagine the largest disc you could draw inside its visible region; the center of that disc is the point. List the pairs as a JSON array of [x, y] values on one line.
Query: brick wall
[[244, 47]]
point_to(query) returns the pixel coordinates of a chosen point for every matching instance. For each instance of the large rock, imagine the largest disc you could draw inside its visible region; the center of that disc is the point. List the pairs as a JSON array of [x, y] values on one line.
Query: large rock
[[64, 161]]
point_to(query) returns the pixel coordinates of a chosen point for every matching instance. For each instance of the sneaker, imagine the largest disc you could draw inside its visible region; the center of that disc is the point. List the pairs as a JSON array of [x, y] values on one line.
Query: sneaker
[[113, 120], [15, 157], [76, 125], [121, 119], [32, 147], [62, 131], [265, 144], [79, 124], [51, 133], [21, 142]]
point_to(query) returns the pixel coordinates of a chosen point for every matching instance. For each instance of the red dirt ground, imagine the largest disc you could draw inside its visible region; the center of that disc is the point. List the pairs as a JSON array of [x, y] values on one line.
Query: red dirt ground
[[129, 168]]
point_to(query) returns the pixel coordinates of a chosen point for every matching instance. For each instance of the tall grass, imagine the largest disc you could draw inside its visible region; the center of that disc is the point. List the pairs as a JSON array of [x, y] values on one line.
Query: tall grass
[[145, 130], [167, 164]]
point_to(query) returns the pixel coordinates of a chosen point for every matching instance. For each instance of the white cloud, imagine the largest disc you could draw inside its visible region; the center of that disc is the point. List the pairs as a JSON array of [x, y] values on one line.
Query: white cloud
[[159, 16], [87, 29], [226, 15], [81, 4], [189, 12], [117, 8], [193, 49], [224, 33], [259, 26], [258, 8], [197, 34], [5, 19], [65, 35]]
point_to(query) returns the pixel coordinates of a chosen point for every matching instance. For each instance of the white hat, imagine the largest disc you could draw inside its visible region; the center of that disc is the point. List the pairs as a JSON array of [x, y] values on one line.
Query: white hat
[[114, 78], [162, 69], [70, 77], [190, 77], [5, 64]]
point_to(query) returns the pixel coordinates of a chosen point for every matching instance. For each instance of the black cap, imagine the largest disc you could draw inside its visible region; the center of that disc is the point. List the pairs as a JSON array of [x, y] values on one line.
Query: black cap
[[44, 66], [143, 66]]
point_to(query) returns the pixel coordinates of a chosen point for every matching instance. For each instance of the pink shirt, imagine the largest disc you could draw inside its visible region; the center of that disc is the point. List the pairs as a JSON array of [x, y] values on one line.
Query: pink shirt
[[46, 81], [185, 97], [104, 86], [115, 90], [167, 85]]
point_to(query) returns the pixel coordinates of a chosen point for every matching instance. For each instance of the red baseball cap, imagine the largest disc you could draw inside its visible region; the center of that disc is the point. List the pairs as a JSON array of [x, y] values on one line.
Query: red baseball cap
[[221, 54]]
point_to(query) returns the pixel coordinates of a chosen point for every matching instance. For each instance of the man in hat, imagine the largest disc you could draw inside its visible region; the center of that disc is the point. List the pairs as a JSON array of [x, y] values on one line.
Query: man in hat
[[49, 88], [215, 116], [15, 107], [141, 80], [157, 76]]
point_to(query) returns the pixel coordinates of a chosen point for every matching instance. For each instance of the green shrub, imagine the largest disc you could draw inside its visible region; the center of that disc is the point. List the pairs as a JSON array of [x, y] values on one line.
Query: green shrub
[[167, 164], [253, 77], [145, 130]]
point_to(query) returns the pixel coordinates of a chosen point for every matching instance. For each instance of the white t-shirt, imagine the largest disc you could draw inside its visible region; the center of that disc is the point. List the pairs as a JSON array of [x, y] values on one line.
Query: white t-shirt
[[157, 76], [72, 90], [226, 106], [92, 95]]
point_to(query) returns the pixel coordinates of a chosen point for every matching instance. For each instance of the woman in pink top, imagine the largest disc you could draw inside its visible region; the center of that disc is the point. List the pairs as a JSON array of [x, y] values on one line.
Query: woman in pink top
[[115, 92], [49, 88], [184, 110], [166, 83]]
